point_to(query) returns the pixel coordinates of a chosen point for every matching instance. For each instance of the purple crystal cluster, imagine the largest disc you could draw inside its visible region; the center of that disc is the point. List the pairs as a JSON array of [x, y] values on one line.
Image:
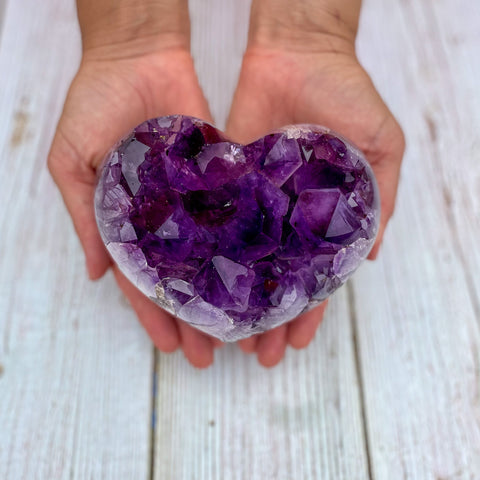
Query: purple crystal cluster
[[236, 239]]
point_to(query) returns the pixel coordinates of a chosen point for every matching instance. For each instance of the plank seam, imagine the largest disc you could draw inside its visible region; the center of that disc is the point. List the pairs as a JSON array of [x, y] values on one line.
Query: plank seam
[[3, 10], [153, 416], [450, 213], [359, 369], [474, 298]]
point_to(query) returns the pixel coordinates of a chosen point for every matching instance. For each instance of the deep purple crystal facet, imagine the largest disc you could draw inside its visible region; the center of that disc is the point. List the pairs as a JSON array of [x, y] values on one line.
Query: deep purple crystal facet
[[236, 239]]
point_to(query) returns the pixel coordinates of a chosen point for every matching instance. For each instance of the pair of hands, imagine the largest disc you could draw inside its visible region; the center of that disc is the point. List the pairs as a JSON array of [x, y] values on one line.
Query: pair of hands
[[113, 92]]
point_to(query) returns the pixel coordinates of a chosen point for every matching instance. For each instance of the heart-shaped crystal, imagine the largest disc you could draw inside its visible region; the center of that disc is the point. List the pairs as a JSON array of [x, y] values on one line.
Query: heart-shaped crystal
[[236, 239]]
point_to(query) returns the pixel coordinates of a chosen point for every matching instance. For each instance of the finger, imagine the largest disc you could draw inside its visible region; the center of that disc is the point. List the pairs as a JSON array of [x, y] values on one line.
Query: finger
[[85, 132], [386, 174], [271, 346], [386, 170], [385, 157], [77, 189], [254, 112], [197, 347], [217, 343], [302, 330], [249, 345], [160, 326]]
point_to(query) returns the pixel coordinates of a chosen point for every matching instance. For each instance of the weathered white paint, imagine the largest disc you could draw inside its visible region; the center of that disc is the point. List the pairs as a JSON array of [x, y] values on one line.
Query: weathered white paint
[[239, 421], [417, 307], [399, 348], [219, 36], [76, 370]]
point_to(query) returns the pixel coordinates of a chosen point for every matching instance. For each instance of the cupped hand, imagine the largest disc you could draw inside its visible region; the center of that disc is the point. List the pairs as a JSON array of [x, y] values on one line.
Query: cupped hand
[[327, 87], [108, 98]]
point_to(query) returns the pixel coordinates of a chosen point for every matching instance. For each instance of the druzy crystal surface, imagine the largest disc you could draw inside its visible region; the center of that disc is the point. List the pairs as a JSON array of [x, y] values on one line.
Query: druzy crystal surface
[[236, 239]]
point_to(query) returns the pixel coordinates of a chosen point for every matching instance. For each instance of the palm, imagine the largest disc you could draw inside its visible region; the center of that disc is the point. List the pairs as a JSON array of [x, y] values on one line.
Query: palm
[[277, 88], [106, 100]]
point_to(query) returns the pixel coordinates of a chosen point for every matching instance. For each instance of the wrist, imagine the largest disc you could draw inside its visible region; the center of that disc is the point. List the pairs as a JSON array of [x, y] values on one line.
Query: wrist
[[305, 25], [113, 29]]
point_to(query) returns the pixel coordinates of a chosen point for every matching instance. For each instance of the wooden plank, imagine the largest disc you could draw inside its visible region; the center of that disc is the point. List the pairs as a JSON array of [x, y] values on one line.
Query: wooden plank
[[417, 314], [3, 4], [417, 307], [219, 36], [237, 420], [75, 367], [453, 125]]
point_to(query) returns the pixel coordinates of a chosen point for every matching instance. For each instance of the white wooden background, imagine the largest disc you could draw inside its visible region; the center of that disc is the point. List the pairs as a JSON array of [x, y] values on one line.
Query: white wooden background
[[389, 389]]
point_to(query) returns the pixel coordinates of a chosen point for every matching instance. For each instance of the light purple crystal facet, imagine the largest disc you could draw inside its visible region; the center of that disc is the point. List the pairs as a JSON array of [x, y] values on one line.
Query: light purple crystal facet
[[236, 239]]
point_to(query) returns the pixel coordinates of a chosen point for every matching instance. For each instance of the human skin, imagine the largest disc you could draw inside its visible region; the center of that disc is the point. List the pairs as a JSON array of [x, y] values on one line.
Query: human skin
[[300, 66], [134, 50]]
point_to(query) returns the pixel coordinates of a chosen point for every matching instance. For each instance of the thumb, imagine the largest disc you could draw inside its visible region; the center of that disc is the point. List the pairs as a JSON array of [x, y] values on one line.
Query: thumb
[[386, 161], [76, 182]]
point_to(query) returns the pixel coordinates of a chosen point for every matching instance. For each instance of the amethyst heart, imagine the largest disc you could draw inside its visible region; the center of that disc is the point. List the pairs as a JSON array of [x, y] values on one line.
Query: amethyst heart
[[235, 239]]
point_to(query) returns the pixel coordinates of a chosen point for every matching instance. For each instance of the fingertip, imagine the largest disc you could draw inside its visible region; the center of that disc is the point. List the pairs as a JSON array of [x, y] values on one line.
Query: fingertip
[[301, 331], [160, 326], [203, 362], [376, 246], [271, 346], [197, 347], [97, 258], [374, 253], [300, 342], [96, 268], [167, 345], [163, 334], [199, 359], [217, 343], [269, 360], [248, 345]]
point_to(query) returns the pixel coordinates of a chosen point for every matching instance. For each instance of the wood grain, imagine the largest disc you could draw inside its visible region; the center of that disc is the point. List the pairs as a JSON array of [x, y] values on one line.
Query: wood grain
[[390, 388], [2, 13], [238, 420], [219, 37], [417, 307], [75, 375]]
